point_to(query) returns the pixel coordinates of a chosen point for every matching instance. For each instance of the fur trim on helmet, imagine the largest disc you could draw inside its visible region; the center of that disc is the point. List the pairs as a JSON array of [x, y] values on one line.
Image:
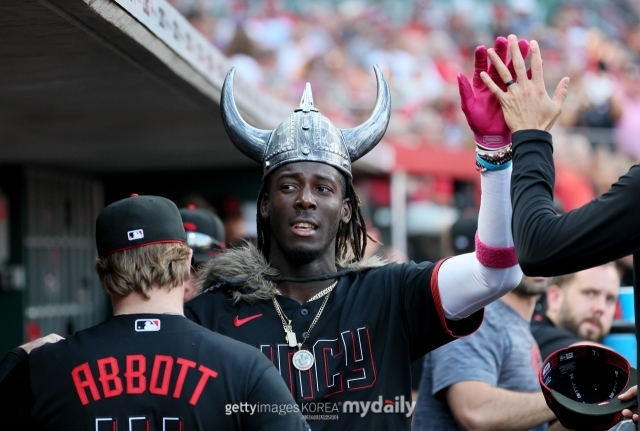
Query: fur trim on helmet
[[246, 273]]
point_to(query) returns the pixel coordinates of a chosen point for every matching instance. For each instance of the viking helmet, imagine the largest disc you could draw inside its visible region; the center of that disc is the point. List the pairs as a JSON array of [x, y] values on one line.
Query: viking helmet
[[307, 135]]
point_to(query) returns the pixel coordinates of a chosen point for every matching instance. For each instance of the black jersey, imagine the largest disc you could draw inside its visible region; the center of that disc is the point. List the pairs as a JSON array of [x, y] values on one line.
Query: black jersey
[[149, 373], [603, 230], [374, 325], [549, 337]]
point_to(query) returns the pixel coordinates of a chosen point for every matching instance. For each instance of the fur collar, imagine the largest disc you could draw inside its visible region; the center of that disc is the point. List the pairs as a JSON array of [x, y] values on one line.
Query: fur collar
[[246, 273]]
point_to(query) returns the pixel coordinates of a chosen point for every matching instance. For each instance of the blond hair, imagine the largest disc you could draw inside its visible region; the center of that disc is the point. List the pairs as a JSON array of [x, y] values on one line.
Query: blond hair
[[562, 280], [138, 269]]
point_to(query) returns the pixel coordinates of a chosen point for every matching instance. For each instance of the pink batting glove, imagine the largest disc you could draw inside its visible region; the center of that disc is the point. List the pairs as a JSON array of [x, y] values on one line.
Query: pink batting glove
[[482, 108]]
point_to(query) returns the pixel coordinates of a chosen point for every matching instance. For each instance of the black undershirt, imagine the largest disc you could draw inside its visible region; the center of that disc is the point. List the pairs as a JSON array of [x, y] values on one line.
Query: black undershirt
[[549, 337], [603, 230]]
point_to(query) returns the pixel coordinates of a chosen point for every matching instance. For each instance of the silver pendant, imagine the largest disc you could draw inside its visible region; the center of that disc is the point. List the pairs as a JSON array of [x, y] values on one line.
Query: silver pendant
[[303, 360], [291, 339]]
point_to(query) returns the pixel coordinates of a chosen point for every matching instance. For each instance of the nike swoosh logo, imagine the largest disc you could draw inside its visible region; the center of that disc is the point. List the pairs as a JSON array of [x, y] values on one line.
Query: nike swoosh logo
[[240, 322]]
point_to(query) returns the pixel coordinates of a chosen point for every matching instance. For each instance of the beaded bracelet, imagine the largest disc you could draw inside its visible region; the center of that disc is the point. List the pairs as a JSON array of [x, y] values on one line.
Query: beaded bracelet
[[493, 160]]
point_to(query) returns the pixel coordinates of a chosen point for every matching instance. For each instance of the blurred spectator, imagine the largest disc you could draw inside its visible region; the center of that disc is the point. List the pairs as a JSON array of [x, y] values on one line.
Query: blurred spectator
[[628, 127], [205, 236], [575, 160], [580, 307], [610, 167], [463, 233], [421, 45], [243, 53]]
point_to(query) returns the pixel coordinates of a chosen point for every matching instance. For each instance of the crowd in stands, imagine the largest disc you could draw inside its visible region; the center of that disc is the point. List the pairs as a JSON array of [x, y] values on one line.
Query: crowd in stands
[[421, 45]]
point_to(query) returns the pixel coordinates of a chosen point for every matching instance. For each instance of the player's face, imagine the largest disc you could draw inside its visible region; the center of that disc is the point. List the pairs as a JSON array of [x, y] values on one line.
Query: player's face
[[589, 302], [305, 206]]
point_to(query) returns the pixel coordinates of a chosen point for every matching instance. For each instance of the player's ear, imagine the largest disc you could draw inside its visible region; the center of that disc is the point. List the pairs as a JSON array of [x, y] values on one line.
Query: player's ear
[[554, 298], [346, 211], [264, 206]]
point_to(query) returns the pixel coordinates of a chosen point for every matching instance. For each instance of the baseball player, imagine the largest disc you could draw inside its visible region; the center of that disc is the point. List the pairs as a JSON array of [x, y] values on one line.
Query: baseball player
[[344, 331], [205, 236], [146, 367]]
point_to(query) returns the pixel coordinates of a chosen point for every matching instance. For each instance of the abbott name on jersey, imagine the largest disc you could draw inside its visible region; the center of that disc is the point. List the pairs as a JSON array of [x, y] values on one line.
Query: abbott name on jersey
[[147, 325]]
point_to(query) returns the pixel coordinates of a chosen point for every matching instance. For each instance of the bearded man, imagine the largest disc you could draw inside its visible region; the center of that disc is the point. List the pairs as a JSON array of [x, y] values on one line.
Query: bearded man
[[580, 307]]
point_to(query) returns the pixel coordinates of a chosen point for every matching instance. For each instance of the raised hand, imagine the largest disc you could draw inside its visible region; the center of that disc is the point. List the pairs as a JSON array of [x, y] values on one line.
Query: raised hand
[[525, 104], [480, 106]]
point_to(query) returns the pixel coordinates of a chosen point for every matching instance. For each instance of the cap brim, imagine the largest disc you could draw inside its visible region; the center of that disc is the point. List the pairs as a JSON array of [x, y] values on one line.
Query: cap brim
[[612, 407], [200, 256]]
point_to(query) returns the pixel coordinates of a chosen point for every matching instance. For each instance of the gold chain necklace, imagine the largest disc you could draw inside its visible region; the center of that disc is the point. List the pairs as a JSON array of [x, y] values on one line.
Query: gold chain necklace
[[322, 292], [302, 359]]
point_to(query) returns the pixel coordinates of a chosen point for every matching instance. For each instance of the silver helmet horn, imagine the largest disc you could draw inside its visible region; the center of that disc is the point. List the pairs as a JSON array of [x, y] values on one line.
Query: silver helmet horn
[[306, 136]]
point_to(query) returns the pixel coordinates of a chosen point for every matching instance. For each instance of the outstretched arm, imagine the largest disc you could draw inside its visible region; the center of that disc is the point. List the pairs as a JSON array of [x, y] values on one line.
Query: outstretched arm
[[20, 354], [600, 231], [603, 230], [469, 282], [479, 406]]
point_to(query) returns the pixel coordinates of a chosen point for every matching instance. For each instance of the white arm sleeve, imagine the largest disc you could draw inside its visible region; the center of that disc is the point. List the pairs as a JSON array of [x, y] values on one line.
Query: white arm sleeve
[[465, 284]]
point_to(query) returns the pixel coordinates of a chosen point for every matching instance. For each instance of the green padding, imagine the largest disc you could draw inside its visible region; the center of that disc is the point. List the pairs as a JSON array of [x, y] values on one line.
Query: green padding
[[613, 406]]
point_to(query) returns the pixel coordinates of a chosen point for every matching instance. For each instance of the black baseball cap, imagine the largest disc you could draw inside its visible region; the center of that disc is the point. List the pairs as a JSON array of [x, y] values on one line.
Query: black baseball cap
[[138, 221], [581, 385], [463, 233], [205, 233]]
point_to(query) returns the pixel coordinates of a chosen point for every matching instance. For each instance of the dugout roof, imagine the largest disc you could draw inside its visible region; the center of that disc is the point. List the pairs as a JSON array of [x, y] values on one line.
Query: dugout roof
[[87, 85]]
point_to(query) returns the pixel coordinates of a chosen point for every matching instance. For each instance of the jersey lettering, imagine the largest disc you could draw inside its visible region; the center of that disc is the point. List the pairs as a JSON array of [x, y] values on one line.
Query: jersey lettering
[[359, 359], [106, 377], [302, 381], [172, 424], [185, 364], [157, 365], [329, 356], [136, 381], [135, 376], [106, 424], [86, 382], [139, 423], [344, 363], [206, 373]]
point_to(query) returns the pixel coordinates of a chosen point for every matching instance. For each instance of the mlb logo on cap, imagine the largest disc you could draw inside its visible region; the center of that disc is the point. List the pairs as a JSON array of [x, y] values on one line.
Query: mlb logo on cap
[[135, 234], [147, 325], [138, 221]]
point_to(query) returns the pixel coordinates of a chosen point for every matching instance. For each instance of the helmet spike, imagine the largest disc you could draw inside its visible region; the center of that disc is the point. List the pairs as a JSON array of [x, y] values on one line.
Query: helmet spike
[[306, 103]]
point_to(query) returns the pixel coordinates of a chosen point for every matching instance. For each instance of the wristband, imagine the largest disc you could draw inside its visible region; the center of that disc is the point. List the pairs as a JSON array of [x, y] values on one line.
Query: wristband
[[495, 257]]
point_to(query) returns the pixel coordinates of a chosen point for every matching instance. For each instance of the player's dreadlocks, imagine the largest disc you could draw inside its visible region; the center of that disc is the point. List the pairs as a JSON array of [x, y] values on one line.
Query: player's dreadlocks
[[353, 233]]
